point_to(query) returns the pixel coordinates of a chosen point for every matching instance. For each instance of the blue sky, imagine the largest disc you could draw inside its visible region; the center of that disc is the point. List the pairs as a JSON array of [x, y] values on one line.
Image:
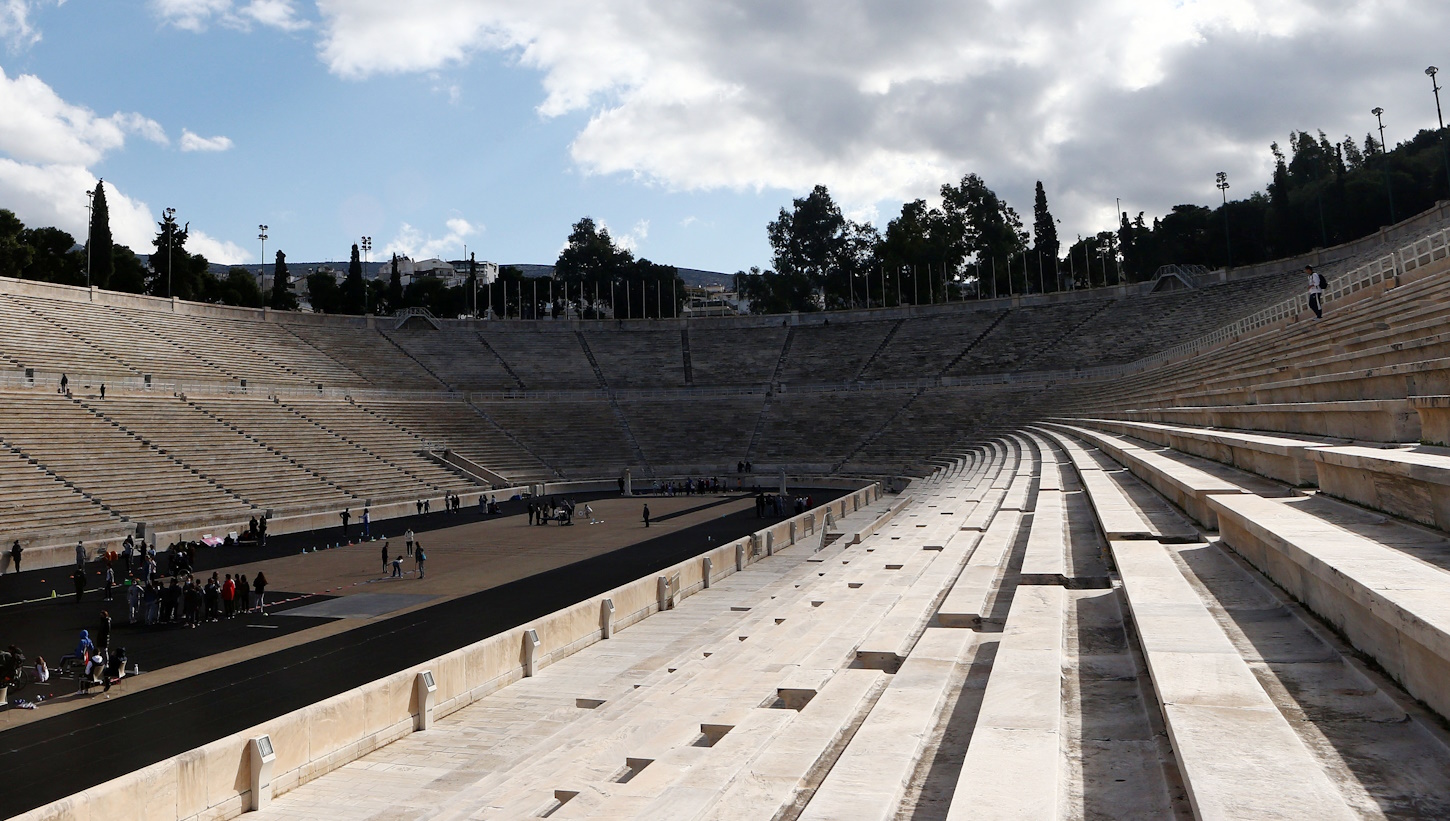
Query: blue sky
[[683, 125]]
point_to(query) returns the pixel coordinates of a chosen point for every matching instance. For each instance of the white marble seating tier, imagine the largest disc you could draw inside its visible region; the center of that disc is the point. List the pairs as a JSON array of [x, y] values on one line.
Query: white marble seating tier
[[1280, 457], [1382, 584], [1124, 508], [1013, 763], [1211, 700], [1373, 420]]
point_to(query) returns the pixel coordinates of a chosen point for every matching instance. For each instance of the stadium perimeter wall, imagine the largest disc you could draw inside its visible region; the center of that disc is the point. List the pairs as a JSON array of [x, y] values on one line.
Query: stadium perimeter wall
[[214, 781]]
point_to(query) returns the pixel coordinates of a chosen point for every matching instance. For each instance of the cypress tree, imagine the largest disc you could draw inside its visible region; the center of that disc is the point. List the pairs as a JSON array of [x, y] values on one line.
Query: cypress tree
[[395, 287], [282, 297], [1044, 229], [103, 265], [354, 293]]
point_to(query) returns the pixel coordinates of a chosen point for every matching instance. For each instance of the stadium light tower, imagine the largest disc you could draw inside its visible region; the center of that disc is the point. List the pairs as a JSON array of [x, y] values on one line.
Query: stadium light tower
[[1221, 182], [170, 232], [367, 249], [1385, 160], [90, 232], [262, 235], [1435, 86]]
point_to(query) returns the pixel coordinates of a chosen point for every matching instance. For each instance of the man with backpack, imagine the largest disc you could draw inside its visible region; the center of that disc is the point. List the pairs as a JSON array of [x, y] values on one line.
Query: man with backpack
[[1317, 284]]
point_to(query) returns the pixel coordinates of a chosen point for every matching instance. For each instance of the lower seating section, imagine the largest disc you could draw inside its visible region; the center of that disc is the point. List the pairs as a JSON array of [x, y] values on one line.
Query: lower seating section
[[383, 439], [577, 438], [1027, 336], [262, 477], [460, 427], [704, 431], [37, 507], [821, 428], [344, 464], [112, 466]]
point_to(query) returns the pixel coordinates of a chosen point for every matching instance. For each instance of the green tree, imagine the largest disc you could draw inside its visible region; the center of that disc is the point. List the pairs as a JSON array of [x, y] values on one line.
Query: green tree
[[15, 253], [591, 263], [394, 296], [100, 244], [354, 290], [989, 231], [1044, 235], [53, 257], [128, 273], [174, 271], [239, 287], [282, 298], [323, 294]]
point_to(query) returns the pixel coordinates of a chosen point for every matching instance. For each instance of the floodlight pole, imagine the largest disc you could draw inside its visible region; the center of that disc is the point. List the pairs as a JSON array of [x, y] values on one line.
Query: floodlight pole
[[90, 232], [170, 232], [262, 237], [1444, 155], [1223, 186], [1379, 113]]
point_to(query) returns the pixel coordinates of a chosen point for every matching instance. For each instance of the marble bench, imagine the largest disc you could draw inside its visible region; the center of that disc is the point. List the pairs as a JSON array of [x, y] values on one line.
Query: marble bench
[[1390, 602], [1375, 420], [1013, 767], [1238, 755], [1276, 457]]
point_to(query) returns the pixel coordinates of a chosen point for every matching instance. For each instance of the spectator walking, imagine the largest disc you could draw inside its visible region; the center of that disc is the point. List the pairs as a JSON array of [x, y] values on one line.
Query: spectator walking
[[262, 531], [79, 579], [427, 506], [259, 585], [385, 557], [109, 583], [420, 557], [646, 515], [133, 599], [346, 516], [408, 541], [80, 555], [15, 551], [1317, 284], [420, 507], [103, 390]]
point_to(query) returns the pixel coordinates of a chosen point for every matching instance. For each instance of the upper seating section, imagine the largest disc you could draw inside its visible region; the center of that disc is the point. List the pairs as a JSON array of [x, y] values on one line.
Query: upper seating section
[[457, 355], [724, 355], [55, 330]]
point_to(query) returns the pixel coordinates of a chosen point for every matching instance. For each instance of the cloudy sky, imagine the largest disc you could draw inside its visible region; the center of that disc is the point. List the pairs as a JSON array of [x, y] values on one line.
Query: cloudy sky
[[683, 125]]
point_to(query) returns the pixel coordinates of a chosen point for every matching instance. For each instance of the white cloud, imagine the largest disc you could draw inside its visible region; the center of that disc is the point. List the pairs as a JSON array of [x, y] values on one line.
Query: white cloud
[[192, 142], [411, 242], [197, 15], [886, 101], [215, 250], [47, 149]]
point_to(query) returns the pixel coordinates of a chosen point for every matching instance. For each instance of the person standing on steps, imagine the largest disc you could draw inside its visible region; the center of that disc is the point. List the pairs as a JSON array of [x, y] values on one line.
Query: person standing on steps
[[1317, 284], [64, 383], [646, 515]]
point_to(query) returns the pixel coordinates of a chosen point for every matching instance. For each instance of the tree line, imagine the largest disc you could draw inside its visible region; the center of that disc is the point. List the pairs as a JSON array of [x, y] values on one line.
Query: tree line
[[974, 244]]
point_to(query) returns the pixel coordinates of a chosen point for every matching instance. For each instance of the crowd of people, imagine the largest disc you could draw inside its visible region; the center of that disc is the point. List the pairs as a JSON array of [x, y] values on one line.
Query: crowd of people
[[769, 505]]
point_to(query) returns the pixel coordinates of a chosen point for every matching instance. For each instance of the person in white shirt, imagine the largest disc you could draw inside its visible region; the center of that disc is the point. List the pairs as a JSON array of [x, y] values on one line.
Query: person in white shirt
[[1317, 284]]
